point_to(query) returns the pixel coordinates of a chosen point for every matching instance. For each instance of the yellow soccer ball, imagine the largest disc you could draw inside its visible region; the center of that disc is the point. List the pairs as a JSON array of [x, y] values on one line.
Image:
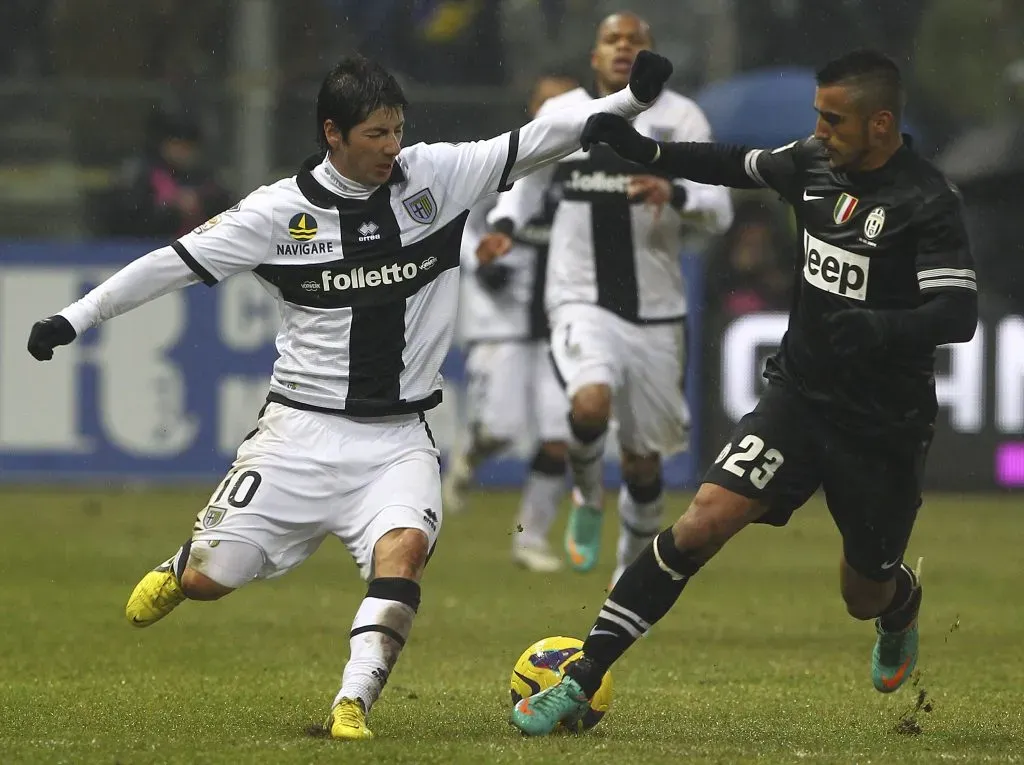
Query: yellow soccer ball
[[541, 666]]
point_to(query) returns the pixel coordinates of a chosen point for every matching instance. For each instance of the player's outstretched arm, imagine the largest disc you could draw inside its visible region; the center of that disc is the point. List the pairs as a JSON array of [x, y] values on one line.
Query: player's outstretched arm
[[473, 170], [154, 274], [557, 134], [716, 164], [236, 240]]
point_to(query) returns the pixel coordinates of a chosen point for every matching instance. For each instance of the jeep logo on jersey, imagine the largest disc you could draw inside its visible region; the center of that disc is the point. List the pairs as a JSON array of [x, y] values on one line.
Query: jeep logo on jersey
[[421, 207], [361, 277], [835, 270], [598, 181], [844, 208], [873, 225], [302, 227]]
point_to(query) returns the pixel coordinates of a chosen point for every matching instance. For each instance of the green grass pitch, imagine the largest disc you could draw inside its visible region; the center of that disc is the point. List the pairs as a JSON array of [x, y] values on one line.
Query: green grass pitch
[[758, 661]]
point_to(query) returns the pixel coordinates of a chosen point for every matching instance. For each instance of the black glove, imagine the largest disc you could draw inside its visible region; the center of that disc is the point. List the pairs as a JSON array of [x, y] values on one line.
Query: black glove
[[648, 76], [48, 334], [494, 276], [620, 135], [857, 331]]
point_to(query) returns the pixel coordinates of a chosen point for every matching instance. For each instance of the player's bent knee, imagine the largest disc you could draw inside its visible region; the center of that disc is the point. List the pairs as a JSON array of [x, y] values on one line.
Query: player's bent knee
[[198, 586], [592, 407], [401, 553], [714, 516]]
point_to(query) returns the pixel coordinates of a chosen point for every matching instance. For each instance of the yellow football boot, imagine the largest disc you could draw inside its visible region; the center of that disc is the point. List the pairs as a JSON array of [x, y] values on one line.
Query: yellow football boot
[[154, 597], [348, 721]]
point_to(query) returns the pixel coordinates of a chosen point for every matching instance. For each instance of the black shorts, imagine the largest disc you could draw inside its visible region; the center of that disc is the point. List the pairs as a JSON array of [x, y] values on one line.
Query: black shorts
[[782, 452]]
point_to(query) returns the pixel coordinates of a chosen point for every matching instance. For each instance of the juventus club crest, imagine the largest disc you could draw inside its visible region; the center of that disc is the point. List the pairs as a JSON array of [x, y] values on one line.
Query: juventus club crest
[[873, 225], [421, 207]]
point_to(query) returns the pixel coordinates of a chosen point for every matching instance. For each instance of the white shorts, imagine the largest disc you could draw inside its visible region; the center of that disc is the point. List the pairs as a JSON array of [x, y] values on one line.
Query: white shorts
[[643, 364], [304, 475], [512, 388]]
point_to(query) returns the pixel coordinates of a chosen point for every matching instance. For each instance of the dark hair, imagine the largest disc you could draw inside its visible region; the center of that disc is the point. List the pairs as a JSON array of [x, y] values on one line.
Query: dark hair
[[872, 74], [354, 89]]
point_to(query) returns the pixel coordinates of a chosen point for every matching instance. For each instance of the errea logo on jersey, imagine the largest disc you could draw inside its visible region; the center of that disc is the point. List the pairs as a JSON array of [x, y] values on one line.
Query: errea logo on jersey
[[361, 277], [835, 270], [368, 231]]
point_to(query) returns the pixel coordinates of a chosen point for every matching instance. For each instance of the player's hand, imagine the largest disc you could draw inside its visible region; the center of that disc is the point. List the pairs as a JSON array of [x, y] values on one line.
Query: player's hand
[[620, 135], [48, 334], [648, 76], [856, 331], [652, 189], [493, 246], [494, 276]]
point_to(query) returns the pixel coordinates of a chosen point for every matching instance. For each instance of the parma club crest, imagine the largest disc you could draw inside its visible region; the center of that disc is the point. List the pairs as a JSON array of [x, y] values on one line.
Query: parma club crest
[[421, 207], [213, 516]]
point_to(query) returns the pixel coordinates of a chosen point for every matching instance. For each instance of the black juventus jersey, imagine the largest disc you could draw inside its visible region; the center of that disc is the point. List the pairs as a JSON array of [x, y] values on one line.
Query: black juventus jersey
[[884, 239]]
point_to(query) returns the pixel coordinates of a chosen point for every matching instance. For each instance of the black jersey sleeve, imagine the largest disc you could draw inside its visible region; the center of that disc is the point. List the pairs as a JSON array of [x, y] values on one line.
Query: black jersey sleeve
[[738, 167], [943, 258], [782, 169]]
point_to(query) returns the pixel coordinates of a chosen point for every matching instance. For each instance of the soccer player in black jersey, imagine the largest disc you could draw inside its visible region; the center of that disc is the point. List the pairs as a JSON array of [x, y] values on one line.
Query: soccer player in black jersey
[[885, 275]]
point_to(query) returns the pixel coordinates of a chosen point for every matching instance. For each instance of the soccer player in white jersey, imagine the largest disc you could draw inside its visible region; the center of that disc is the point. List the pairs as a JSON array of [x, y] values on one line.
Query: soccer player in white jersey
[[616, 298], [361, 250], [512, 384]]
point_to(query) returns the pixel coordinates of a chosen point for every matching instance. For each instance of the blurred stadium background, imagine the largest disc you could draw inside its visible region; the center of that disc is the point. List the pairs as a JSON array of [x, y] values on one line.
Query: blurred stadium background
[[149, 410], [88, 90]]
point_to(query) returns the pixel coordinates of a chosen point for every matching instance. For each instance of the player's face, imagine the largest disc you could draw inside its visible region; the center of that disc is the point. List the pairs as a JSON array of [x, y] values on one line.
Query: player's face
[[368, 155], [841, 127], [619, 39], [548, 87]]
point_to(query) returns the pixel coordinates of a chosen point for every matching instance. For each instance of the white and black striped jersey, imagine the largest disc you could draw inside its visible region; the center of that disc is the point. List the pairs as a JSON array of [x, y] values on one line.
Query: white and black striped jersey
[[367, 279], [515, 312], [605, 248]]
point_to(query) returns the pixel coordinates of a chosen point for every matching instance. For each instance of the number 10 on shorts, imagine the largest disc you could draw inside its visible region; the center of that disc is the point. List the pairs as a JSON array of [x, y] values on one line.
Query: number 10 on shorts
[[750, 449]]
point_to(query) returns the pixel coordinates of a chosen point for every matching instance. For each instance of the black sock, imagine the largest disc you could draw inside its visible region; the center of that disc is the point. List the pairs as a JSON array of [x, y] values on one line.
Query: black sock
[[644, 593], [905, 604]]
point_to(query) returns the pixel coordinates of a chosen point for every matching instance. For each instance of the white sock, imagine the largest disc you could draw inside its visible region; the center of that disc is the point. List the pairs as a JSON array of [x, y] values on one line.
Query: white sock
[[586, 461], [379, 631], [639, 523], [538, 508]]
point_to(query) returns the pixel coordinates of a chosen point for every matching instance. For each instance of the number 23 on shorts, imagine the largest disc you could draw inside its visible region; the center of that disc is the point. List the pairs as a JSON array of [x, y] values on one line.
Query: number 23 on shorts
[[750, 449]]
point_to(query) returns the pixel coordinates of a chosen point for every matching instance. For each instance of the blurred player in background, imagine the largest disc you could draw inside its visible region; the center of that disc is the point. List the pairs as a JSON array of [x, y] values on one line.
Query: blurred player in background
[[512, 387], [361, 250], [616, 299], [884, 276]]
